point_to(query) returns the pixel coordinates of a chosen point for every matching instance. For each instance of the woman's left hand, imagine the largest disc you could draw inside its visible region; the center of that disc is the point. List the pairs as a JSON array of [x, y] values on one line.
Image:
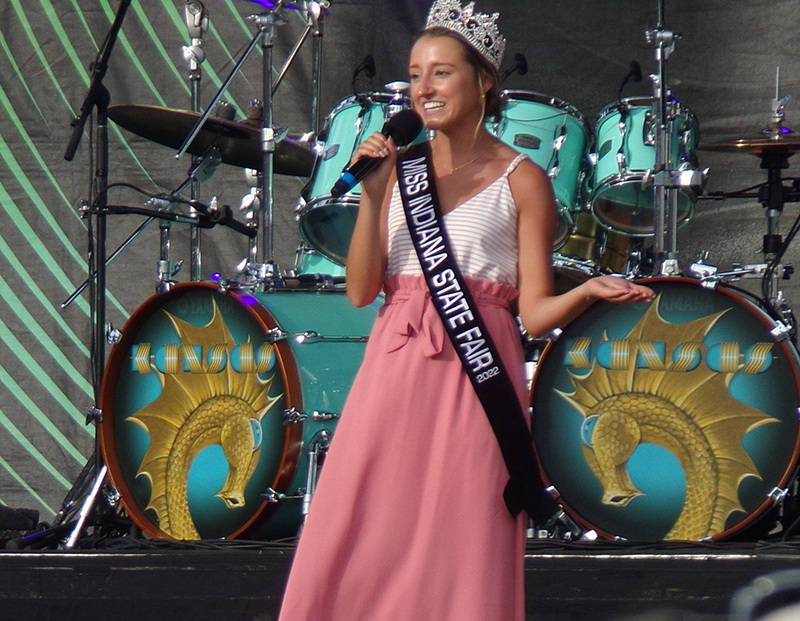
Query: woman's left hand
[[615, 289]]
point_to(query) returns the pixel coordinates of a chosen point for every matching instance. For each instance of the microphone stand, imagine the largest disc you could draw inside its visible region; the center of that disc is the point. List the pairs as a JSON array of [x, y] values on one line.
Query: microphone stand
[[202, 170], [97, 97], [316, 65]]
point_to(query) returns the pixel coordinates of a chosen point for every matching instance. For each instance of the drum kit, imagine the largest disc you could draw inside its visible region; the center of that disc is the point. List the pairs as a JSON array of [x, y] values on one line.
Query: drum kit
[[676, 419]]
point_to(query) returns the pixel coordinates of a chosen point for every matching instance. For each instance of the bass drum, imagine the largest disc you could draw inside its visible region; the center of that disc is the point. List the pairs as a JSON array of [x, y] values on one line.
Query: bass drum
[[327, 223], [204, 402], [556, 136], [670, 420]]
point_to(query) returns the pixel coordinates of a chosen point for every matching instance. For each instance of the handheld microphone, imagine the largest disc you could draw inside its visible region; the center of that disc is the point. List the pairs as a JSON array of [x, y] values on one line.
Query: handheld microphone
[[403, 128]]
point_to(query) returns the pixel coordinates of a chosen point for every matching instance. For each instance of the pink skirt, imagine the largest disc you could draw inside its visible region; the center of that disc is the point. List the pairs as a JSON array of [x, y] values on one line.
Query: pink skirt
[[408, 520]]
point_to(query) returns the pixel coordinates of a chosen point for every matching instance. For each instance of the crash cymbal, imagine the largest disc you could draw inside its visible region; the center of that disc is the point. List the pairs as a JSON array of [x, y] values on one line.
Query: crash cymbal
[[760, 145], [239, 143]]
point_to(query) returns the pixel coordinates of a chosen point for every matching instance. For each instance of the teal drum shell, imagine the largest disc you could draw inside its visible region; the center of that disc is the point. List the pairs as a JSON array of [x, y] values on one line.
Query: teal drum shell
[[194, 397], [670, 420], [624, 138], [556, 136], [310, 261], [327, 223]]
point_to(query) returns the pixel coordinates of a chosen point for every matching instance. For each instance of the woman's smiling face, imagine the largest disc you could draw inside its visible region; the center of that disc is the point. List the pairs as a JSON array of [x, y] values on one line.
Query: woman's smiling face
[[444, 86]]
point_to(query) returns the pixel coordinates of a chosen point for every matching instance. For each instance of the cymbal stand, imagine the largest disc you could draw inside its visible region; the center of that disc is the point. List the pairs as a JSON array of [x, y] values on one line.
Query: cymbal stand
[[266, 24], [97, 97], [267, 271], [773, 197], [196, 19]]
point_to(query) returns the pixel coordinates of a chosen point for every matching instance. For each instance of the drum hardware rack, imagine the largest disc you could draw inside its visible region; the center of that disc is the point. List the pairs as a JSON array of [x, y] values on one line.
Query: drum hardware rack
[[266, 24], [666, 180]]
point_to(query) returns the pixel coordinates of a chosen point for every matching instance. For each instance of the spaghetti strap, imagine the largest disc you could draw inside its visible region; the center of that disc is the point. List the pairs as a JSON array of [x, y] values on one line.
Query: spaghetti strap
[[514, 163]]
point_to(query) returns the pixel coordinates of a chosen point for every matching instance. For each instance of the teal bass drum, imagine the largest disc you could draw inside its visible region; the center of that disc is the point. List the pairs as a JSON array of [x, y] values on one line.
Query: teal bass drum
[[670, 420], [213, 399]]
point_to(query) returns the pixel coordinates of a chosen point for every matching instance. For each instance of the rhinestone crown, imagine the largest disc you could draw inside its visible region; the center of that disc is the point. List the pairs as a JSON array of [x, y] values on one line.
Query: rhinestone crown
[[479, 29]]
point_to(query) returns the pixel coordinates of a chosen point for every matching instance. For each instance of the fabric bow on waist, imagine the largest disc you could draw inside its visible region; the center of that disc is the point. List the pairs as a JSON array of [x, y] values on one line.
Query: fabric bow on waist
[[417, 318]]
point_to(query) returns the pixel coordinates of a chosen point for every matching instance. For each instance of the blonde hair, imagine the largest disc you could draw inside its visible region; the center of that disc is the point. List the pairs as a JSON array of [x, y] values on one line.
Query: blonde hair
[[491, 100]]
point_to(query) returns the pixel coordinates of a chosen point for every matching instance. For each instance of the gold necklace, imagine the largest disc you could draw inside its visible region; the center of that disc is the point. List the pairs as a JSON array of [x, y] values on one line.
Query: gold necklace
[[460, 166]]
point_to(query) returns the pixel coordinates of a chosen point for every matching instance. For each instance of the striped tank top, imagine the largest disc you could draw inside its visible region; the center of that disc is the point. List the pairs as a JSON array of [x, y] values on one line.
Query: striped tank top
[[482, 232]]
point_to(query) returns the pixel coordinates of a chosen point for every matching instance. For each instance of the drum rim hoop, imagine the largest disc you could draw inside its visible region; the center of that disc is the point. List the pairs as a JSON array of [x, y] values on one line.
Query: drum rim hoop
[[292, 440], [792, 358]]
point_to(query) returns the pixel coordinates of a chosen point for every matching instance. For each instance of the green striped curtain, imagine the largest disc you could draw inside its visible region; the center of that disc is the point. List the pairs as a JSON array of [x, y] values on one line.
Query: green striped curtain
[[46, 49]]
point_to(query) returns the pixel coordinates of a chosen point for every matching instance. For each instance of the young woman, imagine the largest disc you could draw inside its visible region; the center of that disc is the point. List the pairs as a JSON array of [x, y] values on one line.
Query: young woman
[[409, 520]]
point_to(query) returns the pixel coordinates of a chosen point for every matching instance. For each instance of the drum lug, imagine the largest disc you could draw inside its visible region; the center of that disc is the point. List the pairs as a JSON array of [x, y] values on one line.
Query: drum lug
[[648, 130], [781, 331], [622, 163], [113, 336], [94, 415], [670, 267], [292, 416], [273, 335], [274, 497], [777, 495], [112, 495]]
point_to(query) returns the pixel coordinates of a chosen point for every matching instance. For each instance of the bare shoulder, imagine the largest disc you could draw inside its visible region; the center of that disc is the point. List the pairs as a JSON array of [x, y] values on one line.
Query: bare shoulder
[[530, 184]]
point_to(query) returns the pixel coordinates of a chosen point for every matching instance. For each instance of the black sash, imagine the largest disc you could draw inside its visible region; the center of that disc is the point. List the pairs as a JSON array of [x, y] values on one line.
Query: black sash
[[469, 335]]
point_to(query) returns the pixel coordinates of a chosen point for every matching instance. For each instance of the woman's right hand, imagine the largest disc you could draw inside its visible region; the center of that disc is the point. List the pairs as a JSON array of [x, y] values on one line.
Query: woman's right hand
[[375, 184]]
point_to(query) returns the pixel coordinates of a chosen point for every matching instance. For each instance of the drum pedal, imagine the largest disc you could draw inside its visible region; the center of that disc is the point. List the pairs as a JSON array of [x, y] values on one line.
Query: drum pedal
[[562, 526], [569, 529]]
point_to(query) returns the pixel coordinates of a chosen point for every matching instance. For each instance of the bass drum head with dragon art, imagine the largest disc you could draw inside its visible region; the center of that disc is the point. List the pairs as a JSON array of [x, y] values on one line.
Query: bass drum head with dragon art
[[194, 396], [670, 420]]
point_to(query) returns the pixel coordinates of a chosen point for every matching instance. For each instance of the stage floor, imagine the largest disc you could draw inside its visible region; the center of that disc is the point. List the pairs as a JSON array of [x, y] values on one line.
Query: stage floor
[[236, 580]]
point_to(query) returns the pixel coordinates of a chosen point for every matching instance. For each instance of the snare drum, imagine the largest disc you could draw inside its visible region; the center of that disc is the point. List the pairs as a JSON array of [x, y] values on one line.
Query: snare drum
[[556, 136], [205, 400], [675, 419], [327, 223], [625, 142]]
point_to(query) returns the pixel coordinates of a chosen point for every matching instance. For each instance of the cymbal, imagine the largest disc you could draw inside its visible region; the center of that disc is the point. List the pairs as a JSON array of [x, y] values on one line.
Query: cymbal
[[239, 143], [760, 146]]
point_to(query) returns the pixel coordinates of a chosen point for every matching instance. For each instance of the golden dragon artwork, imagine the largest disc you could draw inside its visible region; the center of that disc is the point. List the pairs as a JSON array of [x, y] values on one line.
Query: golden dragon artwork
[[196, 410], [685, 408]]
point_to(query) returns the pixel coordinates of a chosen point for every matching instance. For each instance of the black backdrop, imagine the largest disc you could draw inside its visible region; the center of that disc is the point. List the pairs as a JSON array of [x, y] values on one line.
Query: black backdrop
[[723, 69]]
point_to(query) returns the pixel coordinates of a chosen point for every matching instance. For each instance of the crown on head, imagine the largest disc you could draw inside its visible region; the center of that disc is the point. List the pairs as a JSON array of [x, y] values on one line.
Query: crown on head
[[479, 29]]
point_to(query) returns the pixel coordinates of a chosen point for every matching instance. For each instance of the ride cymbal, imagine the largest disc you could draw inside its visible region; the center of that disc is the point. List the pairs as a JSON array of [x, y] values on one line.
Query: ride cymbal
[[757, 146], [238, 143]]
